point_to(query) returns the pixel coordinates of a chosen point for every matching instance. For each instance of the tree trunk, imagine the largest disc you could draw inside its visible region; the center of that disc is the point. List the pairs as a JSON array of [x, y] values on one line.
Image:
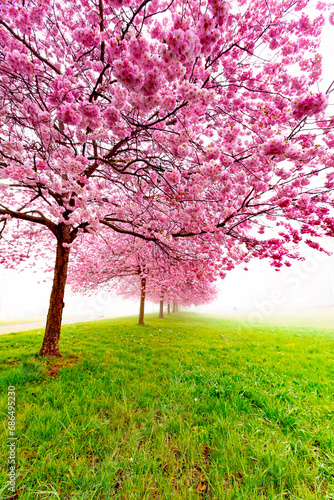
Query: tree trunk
[[142, 301], [168, 308], [174, 307], [50, 345], [161, 310]]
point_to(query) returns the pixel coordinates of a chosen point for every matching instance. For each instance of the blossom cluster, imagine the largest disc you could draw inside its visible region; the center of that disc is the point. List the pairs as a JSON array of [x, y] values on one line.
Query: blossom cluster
[[75, 166], [208, 33], [68, 114], [119, 97], [152, 82], [118, 3], [87, 36], [182, 46], [276, 145], [212, 170], [193, 93], [128, 74], [174, 71], [90, 115], [173, 177], [220, 10], [139, 48], [309, 105], [24, 17], [20, 62]]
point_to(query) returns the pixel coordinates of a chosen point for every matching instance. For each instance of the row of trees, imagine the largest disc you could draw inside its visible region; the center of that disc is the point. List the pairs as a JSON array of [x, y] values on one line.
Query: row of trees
[[197, 126], [136, 268]]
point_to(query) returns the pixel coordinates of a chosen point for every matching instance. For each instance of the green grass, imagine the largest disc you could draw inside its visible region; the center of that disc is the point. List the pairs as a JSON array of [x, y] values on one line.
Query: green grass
[[132, 412]]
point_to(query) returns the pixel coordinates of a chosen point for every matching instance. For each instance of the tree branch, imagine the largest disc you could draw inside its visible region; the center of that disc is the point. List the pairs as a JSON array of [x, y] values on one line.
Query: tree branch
[[31, 218], [41, 58]]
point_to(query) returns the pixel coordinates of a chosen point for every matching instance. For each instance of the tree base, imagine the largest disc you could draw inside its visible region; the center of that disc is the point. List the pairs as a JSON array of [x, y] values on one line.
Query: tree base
[[48, 351]]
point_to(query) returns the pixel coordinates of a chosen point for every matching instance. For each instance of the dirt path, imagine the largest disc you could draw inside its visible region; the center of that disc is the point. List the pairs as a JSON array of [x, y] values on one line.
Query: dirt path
[[23, 327]]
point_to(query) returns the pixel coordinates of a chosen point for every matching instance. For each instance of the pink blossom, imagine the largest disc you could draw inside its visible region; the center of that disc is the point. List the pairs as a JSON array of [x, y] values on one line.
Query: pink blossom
[[68, 114], [274, 146], [118, 3], [128, 74], [173, 177], [152, 82], [87, 36], [111, 116], [309, 105], [20, 62]]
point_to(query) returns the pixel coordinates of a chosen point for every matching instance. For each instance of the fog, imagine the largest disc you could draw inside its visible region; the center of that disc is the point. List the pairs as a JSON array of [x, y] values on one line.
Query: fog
[[257, 294], [261, 294], [25, 296]]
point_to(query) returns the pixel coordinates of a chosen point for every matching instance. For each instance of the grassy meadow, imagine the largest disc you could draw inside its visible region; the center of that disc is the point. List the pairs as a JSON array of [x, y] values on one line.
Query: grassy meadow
[[171, 410]]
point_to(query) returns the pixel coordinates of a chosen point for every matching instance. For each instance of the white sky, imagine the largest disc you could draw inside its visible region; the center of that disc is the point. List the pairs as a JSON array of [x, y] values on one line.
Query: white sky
[[260, 290]]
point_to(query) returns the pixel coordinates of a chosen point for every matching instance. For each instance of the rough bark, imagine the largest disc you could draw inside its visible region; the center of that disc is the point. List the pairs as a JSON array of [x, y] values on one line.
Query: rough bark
[[168, 308], [50, 345], [161, 308], [142, 301]]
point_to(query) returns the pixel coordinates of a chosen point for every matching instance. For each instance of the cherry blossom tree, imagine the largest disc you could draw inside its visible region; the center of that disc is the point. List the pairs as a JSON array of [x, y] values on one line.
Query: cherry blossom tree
[[105, 263], [179, 283], [191, 290], [163, 120], [186, 283], [138, 269]]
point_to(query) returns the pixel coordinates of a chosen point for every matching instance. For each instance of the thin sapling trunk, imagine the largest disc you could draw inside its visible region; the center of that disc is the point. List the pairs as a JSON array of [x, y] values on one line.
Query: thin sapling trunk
[[142, 301], [161, 308]]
